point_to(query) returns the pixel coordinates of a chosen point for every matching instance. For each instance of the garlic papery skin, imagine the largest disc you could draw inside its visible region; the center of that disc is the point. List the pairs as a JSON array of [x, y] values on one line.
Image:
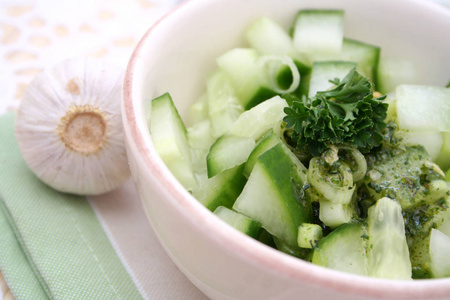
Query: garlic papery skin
[[69, 127]]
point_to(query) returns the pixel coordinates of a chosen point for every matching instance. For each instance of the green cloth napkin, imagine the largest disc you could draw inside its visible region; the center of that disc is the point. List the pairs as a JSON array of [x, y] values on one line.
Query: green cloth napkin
[[51, 244]]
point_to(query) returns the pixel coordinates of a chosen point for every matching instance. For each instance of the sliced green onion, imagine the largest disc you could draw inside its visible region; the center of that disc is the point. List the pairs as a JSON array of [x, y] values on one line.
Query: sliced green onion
[[335, 187], [273, 64], [358, 163]]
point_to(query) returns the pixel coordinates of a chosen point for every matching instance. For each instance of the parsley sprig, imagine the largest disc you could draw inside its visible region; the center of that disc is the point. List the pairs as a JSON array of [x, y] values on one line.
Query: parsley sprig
[[346, 114]]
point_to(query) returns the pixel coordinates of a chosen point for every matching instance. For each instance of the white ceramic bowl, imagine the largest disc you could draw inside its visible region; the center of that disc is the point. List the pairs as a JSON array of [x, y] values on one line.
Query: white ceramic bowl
[[175, 56]]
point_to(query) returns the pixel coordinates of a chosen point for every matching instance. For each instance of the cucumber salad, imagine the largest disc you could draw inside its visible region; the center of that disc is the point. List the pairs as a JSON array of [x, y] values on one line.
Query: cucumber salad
[[314, 144]]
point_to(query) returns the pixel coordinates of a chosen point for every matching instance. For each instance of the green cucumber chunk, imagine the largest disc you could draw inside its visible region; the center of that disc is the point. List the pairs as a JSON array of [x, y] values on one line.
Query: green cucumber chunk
[[344, 249], [319, 31], [222, 189], [395, 71], [439, 254], [169, 135], [257, 121], [242, 223], [243, 67], [443, 158], [324, 71], [227, 152], [268, 37], [223, 105], [366, 57], [388, 252], [309, 235], [273, 195], [423, 108], [200, 135], [265, 143]]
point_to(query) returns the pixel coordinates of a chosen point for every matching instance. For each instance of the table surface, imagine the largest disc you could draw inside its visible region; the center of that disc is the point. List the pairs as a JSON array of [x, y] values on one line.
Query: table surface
[[37, 34]]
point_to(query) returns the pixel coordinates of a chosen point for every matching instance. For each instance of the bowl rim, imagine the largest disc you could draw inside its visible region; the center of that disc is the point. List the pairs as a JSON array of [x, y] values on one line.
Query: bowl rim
[[227, 236]]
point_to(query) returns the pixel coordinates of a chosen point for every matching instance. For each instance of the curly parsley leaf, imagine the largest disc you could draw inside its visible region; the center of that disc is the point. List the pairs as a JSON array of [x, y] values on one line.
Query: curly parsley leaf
[[346, 114]]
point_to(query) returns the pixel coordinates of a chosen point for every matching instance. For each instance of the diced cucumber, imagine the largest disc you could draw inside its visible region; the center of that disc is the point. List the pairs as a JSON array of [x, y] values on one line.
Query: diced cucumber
[[443, 158], [319, 31], [244, 69], [432, 141], [335, 214], [423, 108], [254, 76], [324, 71], [198, 159], [388, 250], [439, 254], [257, 121], [366, 57], [169, 135], [309, 235], [198, 111], [221, 190], [200, 136], [268, 141], [242, 223], [224, 107], [227, 152], [272, 195], [293, 250], [394, 71], [268, 37], [344, 249]]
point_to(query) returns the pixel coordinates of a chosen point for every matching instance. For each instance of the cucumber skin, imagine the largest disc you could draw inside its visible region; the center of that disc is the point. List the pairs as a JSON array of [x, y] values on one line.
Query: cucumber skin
[[355, 232], [175, 154], [252, 228], [215, 165], [266, 142], [285, 183], [276, 174], [230, 185], [262, 94]]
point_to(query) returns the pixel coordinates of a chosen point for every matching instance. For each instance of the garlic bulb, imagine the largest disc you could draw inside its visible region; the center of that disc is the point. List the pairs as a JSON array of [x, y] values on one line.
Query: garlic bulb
[[69, 127]]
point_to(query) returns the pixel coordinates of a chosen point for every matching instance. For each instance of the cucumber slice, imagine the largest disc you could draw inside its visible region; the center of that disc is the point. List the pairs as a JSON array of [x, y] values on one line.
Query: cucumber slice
[[221, 190], [394, 71], [344, 249], [309, 235], [224, 106], [388, 252], [335, 214], [244, 69], [319, 31], [227, 152], [257, 121], [443, 158], [366, 57], [200, 135], [268, 37], [198, 111], [268, 141], [272, 195], [431, 141], [423, 108], [169, 135], [198, 158], [324, 71], [254, 77], [242, 223], [439, 254]]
